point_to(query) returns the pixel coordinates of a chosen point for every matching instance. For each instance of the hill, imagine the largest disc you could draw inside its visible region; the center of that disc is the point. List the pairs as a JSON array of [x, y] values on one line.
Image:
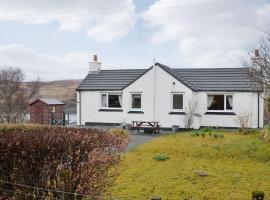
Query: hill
[[63, 90]]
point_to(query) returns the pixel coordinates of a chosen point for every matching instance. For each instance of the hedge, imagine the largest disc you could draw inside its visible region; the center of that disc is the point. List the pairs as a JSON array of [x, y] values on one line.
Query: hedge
[[57, 162]]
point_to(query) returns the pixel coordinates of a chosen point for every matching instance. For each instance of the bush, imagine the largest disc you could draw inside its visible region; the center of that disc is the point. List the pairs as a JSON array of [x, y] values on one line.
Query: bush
[[81, 161], [208, 130], [193, 134], [161, 157]]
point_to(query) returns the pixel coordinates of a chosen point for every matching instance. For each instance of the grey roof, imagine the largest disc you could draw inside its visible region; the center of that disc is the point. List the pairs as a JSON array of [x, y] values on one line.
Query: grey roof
[[50, 101], [197, 79], [110, 79]]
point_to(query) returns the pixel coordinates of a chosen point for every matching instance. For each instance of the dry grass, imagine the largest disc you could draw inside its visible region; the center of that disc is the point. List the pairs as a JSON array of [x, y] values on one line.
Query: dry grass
[[236, 165]]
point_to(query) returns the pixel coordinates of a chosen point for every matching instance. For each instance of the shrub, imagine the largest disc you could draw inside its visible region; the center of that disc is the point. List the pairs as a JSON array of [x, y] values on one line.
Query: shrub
[[193, 134], [81, 161], [160, 157], [207, 130], [203, 134], [242, 120]]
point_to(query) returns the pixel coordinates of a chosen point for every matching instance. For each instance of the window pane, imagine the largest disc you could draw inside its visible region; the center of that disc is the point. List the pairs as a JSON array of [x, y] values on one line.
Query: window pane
[[104, 100], [136, 101], [115, 101], [215, 102], [178, 101], [229, 102]]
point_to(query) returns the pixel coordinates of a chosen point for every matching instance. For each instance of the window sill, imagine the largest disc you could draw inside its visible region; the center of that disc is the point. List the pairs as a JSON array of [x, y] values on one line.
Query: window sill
[[136, 112], [219, 113], [177, 113], [110, 110]]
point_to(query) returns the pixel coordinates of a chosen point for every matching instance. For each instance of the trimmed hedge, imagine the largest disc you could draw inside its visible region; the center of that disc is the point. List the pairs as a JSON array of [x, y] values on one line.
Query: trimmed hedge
[[57, 159]]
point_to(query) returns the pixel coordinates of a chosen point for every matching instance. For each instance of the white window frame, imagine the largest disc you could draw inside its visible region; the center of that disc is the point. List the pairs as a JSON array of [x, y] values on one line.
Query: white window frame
[[177, 110], [107, 98], [225, 97], [130, 102]]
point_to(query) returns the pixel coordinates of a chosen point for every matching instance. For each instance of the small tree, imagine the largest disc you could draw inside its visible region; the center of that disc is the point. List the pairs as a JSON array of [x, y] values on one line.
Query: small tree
[[14, 97], [190, 111], [242, 120], [259, 64]]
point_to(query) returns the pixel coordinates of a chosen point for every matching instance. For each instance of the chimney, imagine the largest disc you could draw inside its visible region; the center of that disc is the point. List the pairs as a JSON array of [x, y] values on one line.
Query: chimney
[[95, 65], [257, 53]]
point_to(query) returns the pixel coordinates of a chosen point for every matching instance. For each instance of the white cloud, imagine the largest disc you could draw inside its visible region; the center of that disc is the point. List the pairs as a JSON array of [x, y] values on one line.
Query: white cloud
[[102, 20], [34, 64], [208, 33]]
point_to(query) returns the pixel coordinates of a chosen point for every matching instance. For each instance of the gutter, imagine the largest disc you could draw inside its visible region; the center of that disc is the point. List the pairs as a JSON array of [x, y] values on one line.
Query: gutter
[[154, 90], [80, 108], [258, 110]]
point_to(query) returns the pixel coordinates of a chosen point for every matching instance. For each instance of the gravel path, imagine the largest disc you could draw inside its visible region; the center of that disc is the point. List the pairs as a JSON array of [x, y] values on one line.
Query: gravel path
[[141, 138]]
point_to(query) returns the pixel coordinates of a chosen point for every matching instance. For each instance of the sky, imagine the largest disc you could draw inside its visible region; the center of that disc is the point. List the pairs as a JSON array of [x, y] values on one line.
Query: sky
[[55, 40]]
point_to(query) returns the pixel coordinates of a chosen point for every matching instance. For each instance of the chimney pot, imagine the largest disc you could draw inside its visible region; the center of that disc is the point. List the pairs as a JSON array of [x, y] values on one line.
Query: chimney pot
[[257, 53], [95, 59]]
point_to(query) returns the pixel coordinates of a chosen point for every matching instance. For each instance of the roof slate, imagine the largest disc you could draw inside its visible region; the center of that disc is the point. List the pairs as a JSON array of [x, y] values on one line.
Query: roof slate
[[197, 79]]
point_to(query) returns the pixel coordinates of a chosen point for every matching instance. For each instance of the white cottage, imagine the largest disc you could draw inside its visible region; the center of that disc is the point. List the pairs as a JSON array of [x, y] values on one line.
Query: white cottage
[[217, 96]]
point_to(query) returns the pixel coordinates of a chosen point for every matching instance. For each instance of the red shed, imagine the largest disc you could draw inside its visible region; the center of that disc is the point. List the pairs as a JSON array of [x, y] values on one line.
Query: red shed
[[43, 110]]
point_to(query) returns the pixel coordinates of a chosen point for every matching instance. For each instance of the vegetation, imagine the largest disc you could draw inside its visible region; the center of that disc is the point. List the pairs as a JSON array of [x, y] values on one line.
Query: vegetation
[[61, 163], [14, 98], [199, 168], [160, 157]]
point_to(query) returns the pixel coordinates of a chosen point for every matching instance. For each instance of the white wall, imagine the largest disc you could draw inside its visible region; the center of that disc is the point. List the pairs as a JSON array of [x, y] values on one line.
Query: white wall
[[165, 84], [90, 105], [243, 103], [163, 89]]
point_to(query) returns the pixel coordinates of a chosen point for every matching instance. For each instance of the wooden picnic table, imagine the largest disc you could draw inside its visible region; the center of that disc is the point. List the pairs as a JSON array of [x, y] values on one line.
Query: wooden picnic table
[[142, 125]]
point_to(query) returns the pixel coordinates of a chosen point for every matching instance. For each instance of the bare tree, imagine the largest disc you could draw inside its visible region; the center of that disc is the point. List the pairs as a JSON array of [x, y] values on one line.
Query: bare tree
[[242, 121], [259, 64], [14, 97], [190, 111]]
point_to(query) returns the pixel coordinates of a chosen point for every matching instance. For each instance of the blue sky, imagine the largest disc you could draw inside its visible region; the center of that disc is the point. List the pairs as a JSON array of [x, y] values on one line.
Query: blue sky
[[56, 39]]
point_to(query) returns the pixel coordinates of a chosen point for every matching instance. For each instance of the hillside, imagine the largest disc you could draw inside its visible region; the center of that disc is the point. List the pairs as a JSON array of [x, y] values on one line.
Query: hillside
[[63, 90]]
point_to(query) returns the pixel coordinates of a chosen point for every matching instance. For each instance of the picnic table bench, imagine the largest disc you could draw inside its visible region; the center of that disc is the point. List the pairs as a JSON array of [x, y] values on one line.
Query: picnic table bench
[[142, 125]]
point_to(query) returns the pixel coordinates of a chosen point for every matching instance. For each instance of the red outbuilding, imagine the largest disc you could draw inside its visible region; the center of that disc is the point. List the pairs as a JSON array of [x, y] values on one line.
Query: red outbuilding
[[46, 111]]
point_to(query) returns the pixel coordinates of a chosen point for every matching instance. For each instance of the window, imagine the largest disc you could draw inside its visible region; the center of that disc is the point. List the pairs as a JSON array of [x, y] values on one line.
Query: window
[[177, 101], [111, 100], [220, 102], [53, 109], [136, 101]]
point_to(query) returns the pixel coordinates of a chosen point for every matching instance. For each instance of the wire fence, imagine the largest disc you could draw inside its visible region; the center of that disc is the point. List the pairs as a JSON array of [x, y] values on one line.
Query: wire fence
[[37, 189]]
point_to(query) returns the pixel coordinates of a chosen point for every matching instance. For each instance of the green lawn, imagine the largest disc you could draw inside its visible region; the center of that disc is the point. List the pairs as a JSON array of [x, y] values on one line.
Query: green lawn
[[236, 165]]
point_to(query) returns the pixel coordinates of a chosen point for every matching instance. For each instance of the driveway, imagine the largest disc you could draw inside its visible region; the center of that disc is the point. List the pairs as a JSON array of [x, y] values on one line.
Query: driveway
[[136, 139]]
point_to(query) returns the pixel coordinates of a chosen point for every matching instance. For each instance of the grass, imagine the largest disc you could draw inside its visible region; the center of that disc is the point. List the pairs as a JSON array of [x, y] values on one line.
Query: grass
[[236, 165]]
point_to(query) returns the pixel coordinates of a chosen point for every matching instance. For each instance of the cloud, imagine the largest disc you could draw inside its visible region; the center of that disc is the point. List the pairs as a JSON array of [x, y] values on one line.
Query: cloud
[[34, 64], [208, 33], [102, 20]]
